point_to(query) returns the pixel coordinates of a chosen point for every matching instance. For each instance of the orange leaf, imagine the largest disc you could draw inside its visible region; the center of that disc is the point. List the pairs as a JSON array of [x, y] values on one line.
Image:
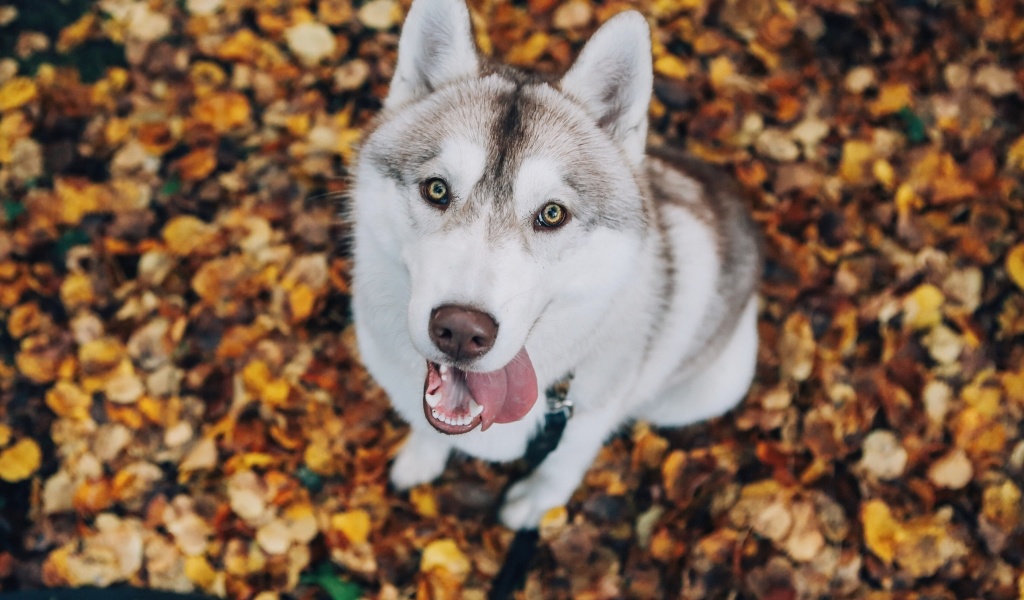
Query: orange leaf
[[197, 164], [224, 111]]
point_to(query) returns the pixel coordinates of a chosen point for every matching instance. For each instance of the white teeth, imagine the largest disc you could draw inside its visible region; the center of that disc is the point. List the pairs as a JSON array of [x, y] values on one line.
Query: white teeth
[[474, 409], [432, 399], [444, 369], [456, 420]]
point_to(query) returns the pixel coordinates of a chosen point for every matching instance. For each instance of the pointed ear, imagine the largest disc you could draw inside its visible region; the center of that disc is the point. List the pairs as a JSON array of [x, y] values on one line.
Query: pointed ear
[[436, 47], [612, 78]]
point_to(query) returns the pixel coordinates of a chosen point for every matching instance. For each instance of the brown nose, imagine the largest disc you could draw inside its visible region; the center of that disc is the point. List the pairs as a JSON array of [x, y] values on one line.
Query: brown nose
[[462, 333]]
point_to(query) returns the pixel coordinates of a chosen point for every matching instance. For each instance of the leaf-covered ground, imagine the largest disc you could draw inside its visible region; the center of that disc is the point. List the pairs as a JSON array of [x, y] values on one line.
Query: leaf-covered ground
[[180, 402]]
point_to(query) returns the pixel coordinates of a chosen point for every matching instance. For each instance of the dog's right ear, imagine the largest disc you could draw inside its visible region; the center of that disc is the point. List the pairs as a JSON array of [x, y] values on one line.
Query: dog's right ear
[[612, 78], [436, 47]]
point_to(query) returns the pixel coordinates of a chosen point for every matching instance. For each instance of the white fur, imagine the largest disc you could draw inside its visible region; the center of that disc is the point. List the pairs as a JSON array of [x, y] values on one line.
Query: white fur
[[617, 60], [582, 299], [436, 48]]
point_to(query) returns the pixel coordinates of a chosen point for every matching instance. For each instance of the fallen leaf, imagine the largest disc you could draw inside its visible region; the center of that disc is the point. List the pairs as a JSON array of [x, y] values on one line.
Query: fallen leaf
[[313, 42], [884, 457], [20, 461], [952, 470], [17, 92], [445, 554], [1015, 265], [380, 14], [354, 524]]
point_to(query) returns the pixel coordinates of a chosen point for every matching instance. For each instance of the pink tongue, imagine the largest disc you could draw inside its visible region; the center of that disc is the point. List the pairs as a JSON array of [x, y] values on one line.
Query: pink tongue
[[507, 394]]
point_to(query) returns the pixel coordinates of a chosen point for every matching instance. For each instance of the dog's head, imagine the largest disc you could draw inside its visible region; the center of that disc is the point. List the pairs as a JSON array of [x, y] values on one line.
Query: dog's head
[[507, 199]]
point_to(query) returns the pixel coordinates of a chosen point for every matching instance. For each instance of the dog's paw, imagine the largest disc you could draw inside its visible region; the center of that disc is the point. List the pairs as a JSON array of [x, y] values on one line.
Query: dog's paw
[[419, 461], [526, 503]]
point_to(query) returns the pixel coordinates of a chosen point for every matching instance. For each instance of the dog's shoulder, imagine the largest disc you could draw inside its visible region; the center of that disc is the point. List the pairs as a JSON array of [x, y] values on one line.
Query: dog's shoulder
[[713, 197]]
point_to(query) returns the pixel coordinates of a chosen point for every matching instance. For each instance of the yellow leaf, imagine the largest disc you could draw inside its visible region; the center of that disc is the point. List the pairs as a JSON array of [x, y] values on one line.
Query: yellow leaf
[[347, 140], [254, 459], [78, 198], [923, 307], [76, 291], [984, 394], [671, 66], [1015, 156], [1001, 505], [243, 46], [297, 125], [1013, 383], [318, 457], [224, 111], [553, 522], [301, 299], [5, 434], [355, 524], [907, 199], [884, 173], [76, 33], [721, 72], [892, 98], [445, 554], [276, 392], [529, 51], [116, 130], [199, 571], [186, 234], [881, 531], [1015, 265], [423, 500], [20, 461], [68, 401], [853, 165], [206, 76], [17, 92], [100, 356]]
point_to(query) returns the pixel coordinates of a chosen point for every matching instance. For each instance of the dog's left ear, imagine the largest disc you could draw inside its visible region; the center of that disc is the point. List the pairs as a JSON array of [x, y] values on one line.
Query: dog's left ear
[[436, 47], [613, 77]]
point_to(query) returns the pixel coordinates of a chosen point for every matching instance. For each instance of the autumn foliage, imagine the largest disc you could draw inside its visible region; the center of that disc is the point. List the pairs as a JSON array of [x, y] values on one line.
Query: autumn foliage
[[181, 405]]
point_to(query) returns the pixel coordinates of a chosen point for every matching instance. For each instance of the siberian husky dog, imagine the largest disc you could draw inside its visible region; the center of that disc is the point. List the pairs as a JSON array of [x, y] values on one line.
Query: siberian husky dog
[[511, 230]]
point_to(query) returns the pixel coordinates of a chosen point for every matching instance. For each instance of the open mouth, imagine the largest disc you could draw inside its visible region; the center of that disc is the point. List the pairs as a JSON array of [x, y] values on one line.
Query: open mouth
[[457, 401]]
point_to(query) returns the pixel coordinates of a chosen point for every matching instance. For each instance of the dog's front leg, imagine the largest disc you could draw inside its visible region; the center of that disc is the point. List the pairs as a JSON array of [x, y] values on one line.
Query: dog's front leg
[[421, 459], [555, 479]]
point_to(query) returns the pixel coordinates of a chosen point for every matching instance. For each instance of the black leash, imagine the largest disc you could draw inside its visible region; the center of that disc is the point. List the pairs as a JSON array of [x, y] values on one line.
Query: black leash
[[523, 549]]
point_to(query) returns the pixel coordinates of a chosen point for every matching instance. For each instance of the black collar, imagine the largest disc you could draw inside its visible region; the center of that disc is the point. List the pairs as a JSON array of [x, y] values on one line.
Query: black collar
[[559, 412]]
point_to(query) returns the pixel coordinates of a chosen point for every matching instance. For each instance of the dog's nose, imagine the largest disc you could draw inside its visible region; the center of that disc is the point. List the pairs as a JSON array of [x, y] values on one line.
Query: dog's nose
[[462, 333]]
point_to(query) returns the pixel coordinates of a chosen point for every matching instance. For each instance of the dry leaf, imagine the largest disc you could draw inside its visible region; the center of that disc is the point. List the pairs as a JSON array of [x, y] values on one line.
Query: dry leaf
[[313, 42], [20, 461], [953, 470], [354, 524], [445, 554]]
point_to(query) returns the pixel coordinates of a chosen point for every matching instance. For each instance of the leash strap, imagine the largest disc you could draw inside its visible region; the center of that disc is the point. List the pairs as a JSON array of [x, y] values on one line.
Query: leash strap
[[559, 410], [523, 549]]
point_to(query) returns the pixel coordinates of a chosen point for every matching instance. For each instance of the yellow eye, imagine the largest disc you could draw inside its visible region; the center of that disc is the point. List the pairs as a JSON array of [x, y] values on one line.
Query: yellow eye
[[551, 215], [435, 191]]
